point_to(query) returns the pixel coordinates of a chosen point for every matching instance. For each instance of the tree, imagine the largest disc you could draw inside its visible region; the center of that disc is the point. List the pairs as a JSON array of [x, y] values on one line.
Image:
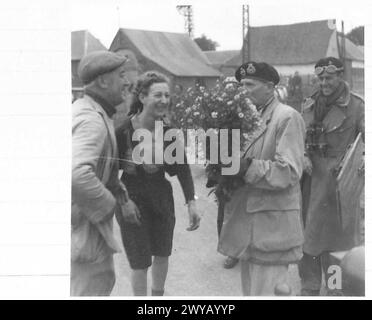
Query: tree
[[356, 35], [206, 44]]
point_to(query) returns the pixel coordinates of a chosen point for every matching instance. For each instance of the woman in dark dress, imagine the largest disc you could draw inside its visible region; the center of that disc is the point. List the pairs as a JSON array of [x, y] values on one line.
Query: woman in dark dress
[[147, 237]]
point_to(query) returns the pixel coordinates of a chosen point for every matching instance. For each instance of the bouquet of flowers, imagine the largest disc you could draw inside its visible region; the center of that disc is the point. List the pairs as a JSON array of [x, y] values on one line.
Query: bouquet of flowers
[[225, 106]]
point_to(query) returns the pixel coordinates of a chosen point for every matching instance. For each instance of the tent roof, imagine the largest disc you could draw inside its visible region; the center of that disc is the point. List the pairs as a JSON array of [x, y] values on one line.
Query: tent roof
[[83, 42], [174, 52], [299, 43], [220, 57], [353, 51]]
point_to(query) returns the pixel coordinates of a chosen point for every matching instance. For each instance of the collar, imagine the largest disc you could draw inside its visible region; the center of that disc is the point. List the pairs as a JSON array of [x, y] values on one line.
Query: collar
[[263, 107], [342, 101], [108, 107]]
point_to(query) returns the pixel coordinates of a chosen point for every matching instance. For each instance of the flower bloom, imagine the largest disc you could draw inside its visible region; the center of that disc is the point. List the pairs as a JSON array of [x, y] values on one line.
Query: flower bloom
[[252, 107]]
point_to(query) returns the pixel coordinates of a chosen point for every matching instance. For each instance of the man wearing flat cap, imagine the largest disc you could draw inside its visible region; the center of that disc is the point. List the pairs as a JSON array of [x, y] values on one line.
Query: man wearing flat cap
[[334, 116], [262, 225], [96, 189]]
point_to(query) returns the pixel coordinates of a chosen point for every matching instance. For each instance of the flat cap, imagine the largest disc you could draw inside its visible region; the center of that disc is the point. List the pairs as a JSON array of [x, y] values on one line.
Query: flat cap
[[257, 70], [99, 62]]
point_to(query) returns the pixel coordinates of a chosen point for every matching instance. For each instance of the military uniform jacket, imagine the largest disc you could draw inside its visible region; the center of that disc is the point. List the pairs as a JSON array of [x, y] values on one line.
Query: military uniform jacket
[[342, 123], [94, 180], [262, 220]]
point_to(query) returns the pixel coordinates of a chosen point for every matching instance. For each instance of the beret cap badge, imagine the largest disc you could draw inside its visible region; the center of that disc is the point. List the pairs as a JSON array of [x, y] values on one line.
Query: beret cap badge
[[257, 70], [251, 69]]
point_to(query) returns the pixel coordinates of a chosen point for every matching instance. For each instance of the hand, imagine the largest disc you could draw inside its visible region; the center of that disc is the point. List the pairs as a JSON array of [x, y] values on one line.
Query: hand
[[308, 167], [194, 218], [151, 168], [243, 166], [130, 212]]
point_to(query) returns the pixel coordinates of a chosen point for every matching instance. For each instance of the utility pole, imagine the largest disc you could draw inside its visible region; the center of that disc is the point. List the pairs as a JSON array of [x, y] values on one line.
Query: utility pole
[[118, 10], [187, 13], [245, 28], [347, 63], [343, 49]]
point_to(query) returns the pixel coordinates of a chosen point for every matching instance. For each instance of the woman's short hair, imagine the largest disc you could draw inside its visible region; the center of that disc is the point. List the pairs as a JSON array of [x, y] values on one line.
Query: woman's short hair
[[143, 84]]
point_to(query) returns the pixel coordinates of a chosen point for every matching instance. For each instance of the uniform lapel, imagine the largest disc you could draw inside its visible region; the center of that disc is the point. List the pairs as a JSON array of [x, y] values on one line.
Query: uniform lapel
[[334, 119], [257, 139]]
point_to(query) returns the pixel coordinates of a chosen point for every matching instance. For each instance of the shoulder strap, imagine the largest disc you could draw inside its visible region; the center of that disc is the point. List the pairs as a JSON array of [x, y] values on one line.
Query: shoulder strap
[[357, 96]]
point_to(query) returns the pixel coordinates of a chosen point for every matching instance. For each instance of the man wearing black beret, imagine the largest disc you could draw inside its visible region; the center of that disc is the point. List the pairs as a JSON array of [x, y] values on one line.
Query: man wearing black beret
[[334, 116], [96, 189], [262, 224]]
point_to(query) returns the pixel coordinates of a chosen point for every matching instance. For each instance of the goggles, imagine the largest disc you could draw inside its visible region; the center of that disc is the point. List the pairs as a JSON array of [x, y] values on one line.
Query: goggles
[[329, 69]]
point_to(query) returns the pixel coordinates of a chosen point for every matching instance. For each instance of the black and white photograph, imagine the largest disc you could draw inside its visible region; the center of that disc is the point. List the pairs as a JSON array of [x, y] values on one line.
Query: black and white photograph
[[208, 149]]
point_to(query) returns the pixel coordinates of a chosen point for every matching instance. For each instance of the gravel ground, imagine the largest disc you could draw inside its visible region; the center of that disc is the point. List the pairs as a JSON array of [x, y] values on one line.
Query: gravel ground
[[195, 265]]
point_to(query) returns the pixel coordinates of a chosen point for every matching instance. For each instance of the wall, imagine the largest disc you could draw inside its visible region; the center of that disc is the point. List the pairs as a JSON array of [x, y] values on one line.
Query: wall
[[289, 70], [332, 50], [358, 81], [189, 82], [358, 77], [228, 71]]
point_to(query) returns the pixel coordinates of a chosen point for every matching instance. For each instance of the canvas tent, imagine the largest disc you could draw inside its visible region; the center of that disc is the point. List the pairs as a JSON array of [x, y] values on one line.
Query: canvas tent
[[294, 46], [218, 60], [174, 54], [297, 47]]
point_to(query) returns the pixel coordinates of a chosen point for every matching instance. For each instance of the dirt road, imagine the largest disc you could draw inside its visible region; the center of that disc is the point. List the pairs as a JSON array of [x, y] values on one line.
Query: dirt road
[[195, 265]]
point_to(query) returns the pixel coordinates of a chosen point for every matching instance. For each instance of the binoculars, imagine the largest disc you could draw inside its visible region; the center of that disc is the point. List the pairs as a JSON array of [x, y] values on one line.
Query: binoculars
[[313, 141]]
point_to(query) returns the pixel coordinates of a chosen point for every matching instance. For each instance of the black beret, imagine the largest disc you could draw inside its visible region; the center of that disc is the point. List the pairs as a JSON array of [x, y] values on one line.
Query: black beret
[[329, 61], [257, 70], [99, 62]]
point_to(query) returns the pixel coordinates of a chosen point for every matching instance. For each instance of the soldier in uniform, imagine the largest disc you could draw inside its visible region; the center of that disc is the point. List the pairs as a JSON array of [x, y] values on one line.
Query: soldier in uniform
[[333, 116], [262, 224]]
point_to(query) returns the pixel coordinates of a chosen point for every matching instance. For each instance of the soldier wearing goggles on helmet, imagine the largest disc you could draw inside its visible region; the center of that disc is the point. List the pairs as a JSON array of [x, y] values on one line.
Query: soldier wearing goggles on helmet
[[333, 116]]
